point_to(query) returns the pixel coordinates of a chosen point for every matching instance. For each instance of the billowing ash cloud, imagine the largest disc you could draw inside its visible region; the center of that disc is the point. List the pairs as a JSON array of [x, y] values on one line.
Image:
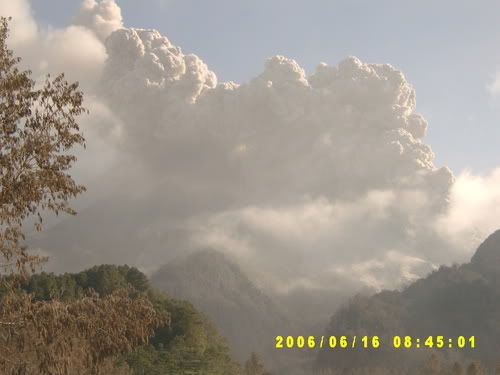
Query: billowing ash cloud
[[312, 181], [103, 17], [74, 50]]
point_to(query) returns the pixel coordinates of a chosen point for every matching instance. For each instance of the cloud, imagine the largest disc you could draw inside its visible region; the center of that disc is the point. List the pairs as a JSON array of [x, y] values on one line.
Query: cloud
[[378, 240], [74, 50], [390, 271], [101, 16], [276, 125], [23, 26], [319, 180], [474, 210]]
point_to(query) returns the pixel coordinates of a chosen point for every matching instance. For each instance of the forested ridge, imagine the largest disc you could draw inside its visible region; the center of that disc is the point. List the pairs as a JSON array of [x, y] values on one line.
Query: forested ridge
[[189, 342]]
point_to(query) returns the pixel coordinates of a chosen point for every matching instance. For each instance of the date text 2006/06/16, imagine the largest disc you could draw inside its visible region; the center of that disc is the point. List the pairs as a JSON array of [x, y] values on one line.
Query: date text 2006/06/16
[[374, 342]]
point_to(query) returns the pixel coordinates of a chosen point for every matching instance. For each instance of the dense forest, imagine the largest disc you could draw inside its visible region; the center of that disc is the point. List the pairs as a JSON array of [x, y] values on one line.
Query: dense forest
[[189, 343]]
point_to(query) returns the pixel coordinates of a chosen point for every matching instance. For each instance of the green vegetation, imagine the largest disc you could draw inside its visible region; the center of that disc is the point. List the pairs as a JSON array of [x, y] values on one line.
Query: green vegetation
[[188, 345]]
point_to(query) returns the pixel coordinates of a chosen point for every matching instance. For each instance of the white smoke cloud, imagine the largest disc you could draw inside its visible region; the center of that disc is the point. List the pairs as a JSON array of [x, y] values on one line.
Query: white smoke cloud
[[23, 26], [392, 270], [474, 210], [332, 244], [311, 181], [74, 50], [324, 170]]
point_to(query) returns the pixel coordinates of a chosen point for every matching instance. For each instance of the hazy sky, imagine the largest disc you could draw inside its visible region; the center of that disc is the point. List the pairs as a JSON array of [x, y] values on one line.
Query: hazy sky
[[448, 49]]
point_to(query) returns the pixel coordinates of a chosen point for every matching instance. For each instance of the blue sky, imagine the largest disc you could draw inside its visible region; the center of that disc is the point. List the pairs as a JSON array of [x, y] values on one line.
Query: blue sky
[[449, 50]]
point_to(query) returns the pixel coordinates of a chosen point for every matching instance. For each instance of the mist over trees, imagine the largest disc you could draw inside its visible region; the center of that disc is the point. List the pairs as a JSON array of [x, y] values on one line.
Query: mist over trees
[[451, 301]]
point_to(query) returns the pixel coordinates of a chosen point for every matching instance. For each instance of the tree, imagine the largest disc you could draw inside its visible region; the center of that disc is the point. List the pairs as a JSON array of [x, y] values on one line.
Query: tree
[[38, 130]]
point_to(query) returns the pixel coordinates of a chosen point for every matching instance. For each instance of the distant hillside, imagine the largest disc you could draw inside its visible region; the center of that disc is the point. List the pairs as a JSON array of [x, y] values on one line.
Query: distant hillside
[[452, 301], [245, 315]]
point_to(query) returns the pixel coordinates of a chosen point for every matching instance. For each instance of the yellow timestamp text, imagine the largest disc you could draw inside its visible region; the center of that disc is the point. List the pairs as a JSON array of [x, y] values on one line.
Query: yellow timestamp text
[[374, 342]]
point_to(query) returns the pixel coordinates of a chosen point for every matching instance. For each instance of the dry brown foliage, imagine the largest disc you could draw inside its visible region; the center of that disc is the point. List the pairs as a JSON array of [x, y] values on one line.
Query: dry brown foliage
[[60, 338], [38, 128]]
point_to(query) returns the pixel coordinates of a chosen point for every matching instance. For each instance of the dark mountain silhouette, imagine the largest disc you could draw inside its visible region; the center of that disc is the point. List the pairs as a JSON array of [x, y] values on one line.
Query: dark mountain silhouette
[[452, 301]]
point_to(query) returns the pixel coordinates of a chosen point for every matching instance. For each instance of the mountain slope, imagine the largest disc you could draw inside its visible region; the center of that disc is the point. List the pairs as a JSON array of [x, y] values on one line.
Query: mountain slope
[[247, 317], [452, 301]]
